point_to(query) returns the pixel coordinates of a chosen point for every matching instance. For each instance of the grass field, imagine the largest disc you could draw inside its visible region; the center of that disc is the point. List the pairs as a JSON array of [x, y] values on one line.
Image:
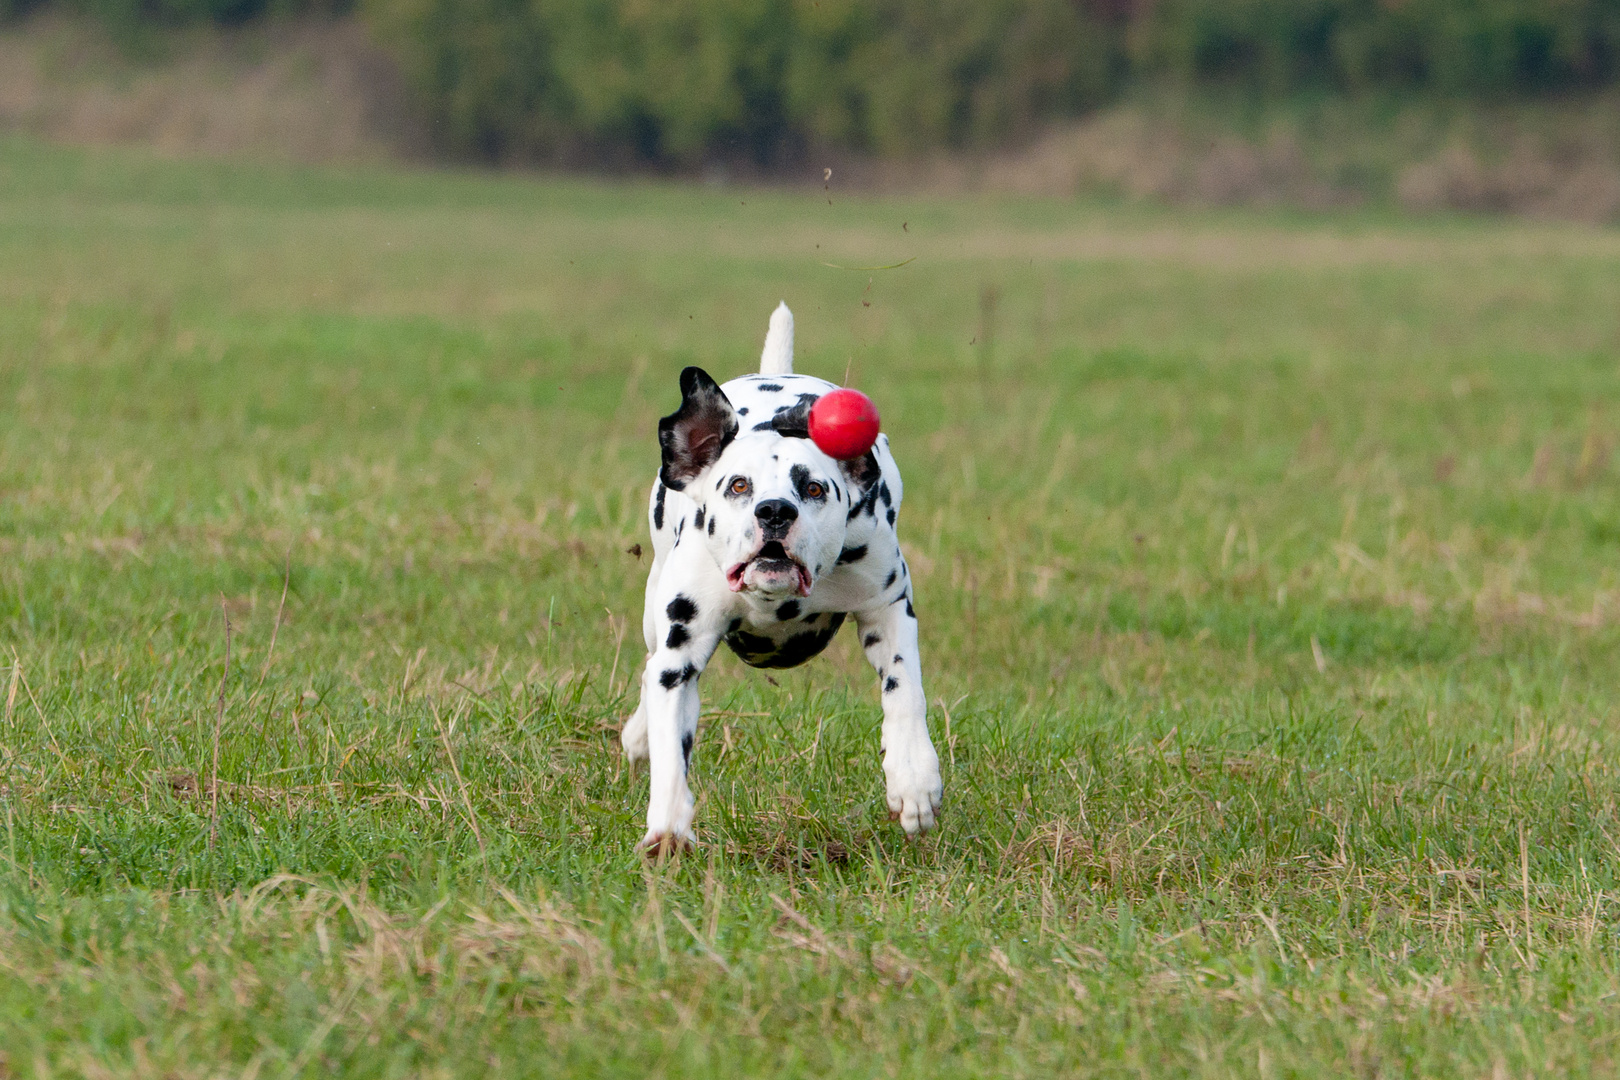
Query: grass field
[[1266, 564]]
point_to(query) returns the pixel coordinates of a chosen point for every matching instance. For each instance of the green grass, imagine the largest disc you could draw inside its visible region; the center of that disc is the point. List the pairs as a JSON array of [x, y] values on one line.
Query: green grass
[[1267, 568]]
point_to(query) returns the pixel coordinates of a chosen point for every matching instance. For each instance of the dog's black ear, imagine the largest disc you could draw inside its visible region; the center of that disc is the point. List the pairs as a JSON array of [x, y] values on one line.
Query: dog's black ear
[[693, 437], [793, 422], [862, 472]]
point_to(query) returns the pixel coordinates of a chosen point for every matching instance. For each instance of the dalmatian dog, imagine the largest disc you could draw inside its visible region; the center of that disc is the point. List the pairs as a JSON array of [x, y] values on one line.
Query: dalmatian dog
[[764, 542]]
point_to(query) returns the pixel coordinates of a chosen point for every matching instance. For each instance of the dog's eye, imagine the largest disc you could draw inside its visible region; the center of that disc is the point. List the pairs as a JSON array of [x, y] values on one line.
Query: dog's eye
[[741, 485], [814, 490]]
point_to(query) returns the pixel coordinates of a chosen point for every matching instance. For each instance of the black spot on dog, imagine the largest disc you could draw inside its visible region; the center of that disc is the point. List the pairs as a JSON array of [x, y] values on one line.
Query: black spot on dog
[[891, 515], [673, 677], [697, 518], [677, 636], [801, 647], [787, 611], [892, 685], [871, 639], [750, 646], [681, 609], [866, 504], [909, 609], [743, 411], [731, 627], [763, 425], [711, 526], [686, 750], [897, 658], [759, 651], [658, 507], [680, 527], [801, 485], [853, 554], [883, 493], [892, 575], [770, 387]]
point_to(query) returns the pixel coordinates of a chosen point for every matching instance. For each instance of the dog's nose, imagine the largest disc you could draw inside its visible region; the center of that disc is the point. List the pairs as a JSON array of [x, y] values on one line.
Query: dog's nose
[[775, 516]]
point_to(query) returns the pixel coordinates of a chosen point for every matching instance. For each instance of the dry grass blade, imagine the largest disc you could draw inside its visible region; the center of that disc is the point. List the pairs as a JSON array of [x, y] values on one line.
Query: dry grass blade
[[461, 785], [702, 942], [812, 938], [219, 722], [11, 694], [44, 721], [1524, 883], [275, 630], [323, 1030], [885, 960]]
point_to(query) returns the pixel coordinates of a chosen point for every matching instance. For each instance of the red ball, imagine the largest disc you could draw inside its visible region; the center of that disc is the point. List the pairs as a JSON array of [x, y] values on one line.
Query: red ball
[[844, 424]]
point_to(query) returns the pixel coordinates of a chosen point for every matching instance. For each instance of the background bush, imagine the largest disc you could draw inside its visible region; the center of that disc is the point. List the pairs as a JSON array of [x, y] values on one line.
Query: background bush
[[766, 80], [760, 78], [128, 15], [1469, 47]]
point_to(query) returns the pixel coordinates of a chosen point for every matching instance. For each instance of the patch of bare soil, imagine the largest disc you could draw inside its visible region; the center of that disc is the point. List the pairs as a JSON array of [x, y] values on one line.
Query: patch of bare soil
[[315, 91], [1558, 160], [1530, 179]]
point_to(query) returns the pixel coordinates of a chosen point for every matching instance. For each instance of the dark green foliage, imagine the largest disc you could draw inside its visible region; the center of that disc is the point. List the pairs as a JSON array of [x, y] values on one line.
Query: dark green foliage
[[1451, 46], [10, 9], [126, 16], [760, 79], [906, 76], [765, 79]]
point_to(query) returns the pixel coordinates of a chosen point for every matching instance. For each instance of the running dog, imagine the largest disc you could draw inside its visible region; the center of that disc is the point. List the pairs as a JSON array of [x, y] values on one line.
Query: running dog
[[764, 542]]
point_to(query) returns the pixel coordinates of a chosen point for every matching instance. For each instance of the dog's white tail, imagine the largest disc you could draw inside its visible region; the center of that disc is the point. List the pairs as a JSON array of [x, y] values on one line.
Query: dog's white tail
[[777, 359]]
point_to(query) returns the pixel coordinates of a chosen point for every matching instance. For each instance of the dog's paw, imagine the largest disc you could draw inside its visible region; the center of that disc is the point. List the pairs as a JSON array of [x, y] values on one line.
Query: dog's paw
[[633, 736], [915, 793], [659, 845]]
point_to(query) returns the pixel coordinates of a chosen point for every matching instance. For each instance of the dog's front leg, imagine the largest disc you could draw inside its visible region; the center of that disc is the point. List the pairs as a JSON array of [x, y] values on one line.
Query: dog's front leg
[[688, 630], [910, 765]]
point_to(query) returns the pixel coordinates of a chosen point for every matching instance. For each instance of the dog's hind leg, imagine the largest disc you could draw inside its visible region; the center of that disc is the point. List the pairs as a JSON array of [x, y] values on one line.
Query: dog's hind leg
[[910, 765], [633, 736]]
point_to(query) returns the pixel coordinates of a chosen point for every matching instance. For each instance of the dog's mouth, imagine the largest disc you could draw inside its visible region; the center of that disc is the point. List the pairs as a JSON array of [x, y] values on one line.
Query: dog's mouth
[[771, 570]]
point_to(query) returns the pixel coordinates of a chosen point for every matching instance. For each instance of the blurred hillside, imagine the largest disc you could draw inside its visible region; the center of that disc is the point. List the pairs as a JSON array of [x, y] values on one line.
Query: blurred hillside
[[1501, 105], [309, 91]]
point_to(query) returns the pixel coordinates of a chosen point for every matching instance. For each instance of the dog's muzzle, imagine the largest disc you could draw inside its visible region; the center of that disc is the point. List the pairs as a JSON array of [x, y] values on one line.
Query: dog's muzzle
[[771, 570]]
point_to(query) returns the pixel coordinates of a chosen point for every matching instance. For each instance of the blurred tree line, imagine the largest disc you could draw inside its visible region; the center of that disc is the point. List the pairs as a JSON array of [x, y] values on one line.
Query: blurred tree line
[[676, 82]]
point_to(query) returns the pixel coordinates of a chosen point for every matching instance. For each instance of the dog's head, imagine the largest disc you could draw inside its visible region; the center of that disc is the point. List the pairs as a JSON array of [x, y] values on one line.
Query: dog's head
[[774, 507]]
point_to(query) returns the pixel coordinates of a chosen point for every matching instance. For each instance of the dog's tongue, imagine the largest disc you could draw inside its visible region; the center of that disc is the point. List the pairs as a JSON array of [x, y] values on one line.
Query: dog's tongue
[[734, 576], [804, 581]]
